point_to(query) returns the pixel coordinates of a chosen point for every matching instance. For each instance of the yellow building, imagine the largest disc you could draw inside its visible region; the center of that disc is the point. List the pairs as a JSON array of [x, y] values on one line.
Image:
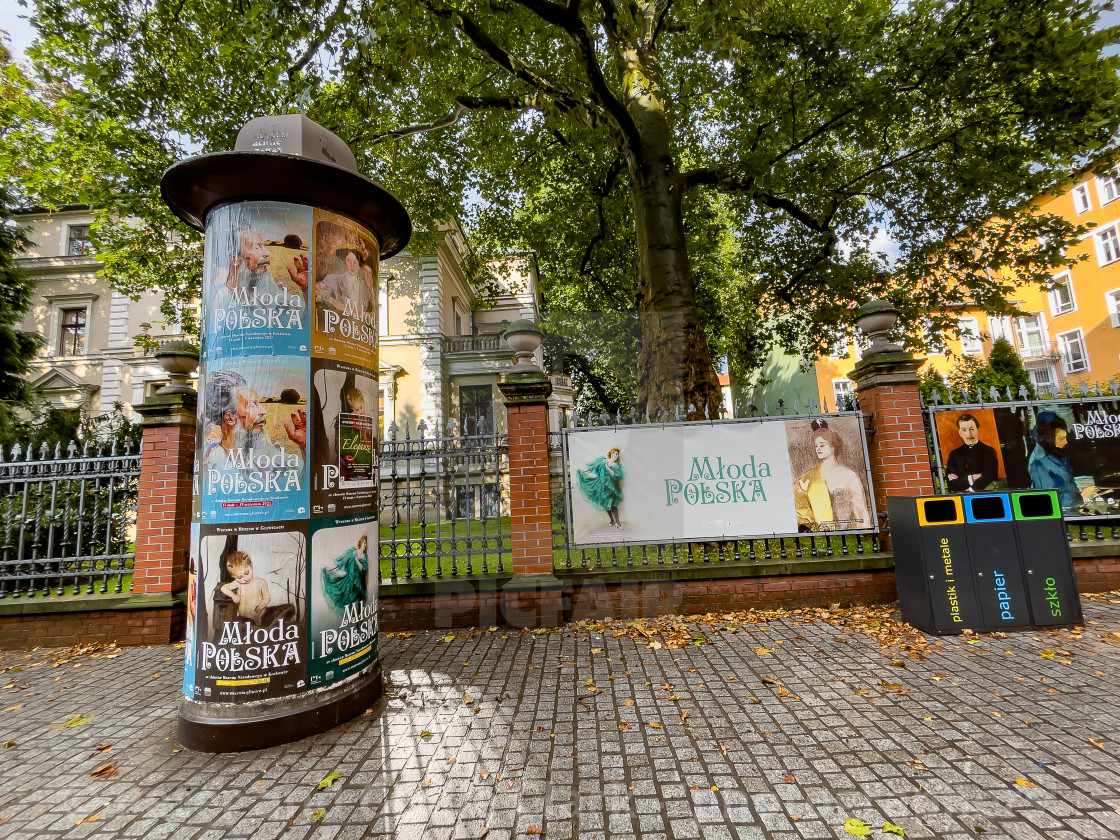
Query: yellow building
[[1071, 333]]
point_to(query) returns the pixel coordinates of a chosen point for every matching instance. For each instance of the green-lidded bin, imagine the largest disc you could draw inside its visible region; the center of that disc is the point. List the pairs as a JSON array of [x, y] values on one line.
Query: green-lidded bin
[[1044, 551]]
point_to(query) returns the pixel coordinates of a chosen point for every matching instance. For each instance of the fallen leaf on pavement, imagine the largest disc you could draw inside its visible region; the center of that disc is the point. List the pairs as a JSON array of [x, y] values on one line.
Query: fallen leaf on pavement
[[857, 827], [891, 828], [482, 832], [76, 720], [1046, 654], [624, 725], [1096, 743], [1024, 782], [318, 813], [104, 771], [533, 830], [327, 780], [788, 777], [91, 818]]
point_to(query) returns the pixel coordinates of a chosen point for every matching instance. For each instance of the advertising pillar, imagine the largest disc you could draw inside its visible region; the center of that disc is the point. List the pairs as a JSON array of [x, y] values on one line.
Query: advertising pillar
[[282, 598]]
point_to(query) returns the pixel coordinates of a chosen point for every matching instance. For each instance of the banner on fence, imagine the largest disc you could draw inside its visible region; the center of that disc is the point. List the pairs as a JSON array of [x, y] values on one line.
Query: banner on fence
[[1069, 446], [717, 481]]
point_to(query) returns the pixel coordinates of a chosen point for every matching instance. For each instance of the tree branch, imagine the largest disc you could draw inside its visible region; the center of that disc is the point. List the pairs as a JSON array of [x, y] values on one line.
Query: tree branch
[[571, 24], [657, 25], [594, 381], [328, 29], [718, 178], [566, 100], [462, 105]]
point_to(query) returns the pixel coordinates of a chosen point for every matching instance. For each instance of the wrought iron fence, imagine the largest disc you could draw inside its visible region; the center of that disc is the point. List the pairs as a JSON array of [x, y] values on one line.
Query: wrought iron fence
[[1084, 467], [68, 519], [819, 545], [444, 504]]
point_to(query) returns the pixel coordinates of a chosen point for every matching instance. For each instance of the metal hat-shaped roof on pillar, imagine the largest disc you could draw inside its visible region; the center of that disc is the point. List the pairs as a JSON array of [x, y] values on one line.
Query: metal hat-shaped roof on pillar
[[286, 158]]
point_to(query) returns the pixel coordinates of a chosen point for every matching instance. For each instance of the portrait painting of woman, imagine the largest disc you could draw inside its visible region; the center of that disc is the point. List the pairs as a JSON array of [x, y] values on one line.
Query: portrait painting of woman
[[829, 496]]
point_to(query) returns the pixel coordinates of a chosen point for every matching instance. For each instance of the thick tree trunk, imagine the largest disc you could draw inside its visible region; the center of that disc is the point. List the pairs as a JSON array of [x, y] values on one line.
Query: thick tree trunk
[[674, 366]]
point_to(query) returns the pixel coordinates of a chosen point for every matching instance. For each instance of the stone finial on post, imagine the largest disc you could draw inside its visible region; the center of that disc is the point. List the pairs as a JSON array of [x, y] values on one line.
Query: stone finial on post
[[534, 596], [886, 385]]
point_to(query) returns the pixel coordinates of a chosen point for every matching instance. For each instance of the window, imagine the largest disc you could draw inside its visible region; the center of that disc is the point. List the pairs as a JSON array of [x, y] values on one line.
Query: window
[[1042, 377], [841, 394], [1112, 301], [77, 241], [72, 333], [1000, 327], [1108, 245], [1071, 347], [1031, 332], [1061, 296], [970, 335], [476, 409], [839, 348], [1081, 201], [1107, 188]]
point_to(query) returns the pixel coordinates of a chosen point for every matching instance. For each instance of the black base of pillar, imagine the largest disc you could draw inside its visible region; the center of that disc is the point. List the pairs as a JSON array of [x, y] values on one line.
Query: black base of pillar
[[290, 722]]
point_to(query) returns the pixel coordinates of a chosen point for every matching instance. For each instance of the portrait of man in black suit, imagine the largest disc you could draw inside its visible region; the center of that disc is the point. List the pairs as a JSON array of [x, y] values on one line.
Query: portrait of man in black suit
[[973, 465]]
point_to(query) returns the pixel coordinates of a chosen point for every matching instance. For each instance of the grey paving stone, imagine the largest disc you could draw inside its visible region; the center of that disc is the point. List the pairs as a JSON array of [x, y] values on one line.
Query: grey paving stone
[[935, 759]]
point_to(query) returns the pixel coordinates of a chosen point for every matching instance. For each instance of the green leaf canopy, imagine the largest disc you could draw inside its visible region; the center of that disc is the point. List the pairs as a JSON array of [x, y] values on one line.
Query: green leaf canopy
[[699, 178]]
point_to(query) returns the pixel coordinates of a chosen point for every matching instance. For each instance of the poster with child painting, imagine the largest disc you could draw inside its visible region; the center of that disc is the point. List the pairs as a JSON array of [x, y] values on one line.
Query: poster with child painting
[[250, 611]]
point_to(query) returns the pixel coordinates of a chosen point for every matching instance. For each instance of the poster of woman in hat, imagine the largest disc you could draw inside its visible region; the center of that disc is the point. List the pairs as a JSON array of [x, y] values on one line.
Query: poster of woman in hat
[[828, 495]]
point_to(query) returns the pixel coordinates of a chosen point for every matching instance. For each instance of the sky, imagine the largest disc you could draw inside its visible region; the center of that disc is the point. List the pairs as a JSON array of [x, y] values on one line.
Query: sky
[[13, 19]]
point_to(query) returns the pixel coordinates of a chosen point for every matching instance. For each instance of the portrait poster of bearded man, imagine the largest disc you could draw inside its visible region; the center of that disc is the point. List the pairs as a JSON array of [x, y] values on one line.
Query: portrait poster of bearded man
[[253, 439], [256, 279]]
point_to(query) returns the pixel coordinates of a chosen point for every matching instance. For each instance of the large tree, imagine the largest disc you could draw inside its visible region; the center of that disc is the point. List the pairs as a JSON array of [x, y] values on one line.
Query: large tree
[[706, 174], [17, 346]]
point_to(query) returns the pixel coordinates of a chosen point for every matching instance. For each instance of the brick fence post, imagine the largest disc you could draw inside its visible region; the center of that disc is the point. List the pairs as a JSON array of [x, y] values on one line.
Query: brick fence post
[[163, 513], [886, 385], [534, 595]]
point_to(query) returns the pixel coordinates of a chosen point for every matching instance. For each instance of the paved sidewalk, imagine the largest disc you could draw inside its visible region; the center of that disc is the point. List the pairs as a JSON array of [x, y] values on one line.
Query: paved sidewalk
[[783, 728]]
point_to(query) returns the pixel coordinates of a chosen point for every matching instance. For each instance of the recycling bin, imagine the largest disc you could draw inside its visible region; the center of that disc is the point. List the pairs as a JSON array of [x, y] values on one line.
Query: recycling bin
[[933, 572], [994, 553], [1044, 551]]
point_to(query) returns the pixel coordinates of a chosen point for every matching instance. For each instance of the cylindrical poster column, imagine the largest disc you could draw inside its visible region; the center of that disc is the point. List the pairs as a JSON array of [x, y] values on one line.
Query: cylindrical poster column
[[282, 612]]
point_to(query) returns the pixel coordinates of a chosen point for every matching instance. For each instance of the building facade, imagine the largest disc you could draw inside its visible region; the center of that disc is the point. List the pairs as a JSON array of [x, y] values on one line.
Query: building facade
[[1070, 333], [441, 351]]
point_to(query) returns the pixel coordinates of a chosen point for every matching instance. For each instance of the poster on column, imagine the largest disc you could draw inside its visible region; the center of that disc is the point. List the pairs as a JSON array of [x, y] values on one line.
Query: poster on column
[[344, 281], [255, 280], [189, 643], [343, 456], [253, 438], [343, 587], [251, 610]]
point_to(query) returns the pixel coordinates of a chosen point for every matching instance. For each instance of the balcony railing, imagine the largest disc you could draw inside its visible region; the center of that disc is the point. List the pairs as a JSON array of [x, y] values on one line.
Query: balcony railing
[[474, 344]]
